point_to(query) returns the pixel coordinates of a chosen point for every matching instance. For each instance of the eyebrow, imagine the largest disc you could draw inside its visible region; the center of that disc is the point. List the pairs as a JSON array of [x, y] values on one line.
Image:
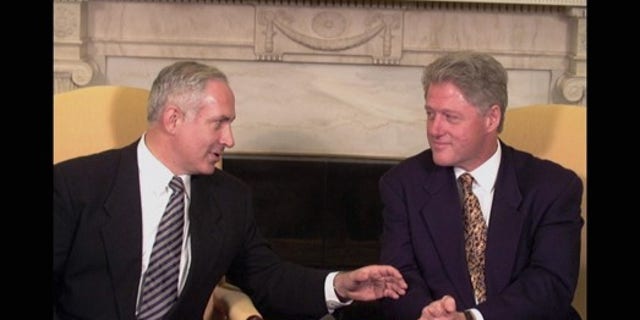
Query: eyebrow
[[224, 118]]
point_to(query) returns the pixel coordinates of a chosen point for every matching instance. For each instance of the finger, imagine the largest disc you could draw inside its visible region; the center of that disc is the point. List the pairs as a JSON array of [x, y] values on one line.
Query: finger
[[400, 283], [391, 272], [426, 317], [395, 281], [435, 308], [390, 287], [428, 312], [395, 292], [449, 303], [381, 271], [391, 294], [398, 288]]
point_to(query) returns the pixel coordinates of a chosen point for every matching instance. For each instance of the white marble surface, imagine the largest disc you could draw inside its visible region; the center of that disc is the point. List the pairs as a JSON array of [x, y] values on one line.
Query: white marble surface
[[320, 80], [350, 110], [530, 33]]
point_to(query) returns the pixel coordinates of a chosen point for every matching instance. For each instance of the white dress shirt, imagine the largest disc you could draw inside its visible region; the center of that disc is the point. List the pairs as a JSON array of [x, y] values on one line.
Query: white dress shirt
[[154, 196], [484, 181]]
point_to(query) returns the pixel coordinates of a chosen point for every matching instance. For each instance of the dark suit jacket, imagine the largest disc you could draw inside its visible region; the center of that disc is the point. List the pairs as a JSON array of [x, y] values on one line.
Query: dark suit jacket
[[533, 241], [97, 245]]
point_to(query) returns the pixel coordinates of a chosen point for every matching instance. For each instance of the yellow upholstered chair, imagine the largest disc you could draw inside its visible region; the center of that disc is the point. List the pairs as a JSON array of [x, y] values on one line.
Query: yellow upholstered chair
[[558, 133], [98, 118], [228, 302], [94, 119]]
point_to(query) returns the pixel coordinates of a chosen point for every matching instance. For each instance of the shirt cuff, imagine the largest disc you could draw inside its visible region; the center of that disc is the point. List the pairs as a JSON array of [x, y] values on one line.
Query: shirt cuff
[[476, 314], [330, 295]]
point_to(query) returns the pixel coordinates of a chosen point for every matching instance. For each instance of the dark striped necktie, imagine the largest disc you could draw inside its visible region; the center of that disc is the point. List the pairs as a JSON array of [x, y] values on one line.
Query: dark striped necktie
[[160, 284]]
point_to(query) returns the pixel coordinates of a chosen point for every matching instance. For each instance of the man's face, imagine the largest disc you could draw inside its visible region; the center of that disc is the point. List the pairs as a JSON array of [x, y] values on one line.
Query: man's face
[[458, 134], [203, 136]]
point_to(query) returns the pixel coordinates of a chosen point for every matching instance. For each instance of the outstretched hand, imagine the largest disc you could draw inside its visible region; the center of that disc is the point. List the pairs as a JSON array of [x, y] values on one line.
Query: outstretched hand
[[370, 283]]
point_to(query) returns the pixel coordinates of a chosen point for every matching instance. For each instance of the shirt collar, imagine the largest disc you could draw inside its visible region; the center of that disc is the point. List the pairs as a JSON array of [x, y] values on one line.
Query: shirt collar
[[485, 175], [155, 173]]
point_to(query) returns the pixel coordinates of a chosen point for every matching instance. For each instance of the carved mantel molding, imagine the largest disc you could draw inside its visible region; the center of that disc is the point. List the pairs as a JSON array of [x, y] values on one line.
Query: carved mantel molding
[[71, 70], [573, 84], [330, 33], [365, 32], [361, 3], [80, 72]]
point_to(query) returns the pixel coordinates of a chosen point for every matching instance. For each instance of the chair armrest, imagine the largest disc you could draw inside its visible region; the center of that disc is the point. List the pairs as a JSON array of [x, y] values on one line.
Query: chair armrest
[[230, 303]]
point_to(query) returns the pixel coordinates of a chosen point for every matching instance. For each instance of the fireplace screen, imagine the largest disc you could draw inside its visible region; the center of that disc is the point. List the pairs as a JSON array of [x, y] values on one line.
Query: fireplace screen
[[316, 211]]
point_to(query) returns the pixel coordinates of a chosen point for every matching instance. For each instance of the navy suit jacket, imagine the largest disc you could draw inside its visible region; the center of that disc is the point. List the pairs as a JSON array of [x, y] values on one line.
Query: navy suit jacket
[[533, 240], [97, 245]]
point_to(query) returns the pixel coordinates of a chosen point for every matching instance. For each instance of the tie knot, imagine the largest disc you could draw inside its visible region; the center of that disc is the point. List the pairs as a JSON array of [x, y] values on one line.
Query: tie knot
[[466, 180], [176, 184]]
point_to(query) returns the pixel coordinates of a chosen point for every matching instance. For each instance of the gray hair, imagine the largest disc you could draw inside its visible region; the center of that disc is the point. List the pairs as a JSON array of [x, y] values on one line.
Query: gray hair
[[479, 76], [181, 84]]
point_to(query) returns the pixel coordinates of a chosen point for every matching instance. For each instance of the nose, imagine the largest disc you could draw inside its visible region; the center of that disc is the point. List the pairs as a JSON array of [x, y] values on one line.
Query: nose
[[227, 137], [434, 125]]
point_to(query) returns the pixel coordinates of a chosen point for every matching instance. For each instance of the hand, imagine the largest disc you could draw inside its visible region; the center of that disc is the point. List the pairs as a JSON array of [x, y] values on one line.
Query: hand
[[443, 309], [370, 283]]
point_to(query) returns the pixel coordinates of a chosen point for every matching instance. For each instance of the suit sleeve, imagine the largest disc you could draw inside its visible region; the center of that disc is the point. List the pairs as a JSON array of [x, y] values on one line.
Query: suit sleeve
[[397, 250], [63, 230], [278, 288], [544, 288]]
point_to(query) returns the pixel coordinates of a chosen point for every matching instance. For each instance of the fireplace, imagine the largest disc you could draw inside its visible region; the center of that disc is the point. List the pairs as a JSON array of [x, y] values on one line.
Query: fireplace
[[316, 211], [322, 212]]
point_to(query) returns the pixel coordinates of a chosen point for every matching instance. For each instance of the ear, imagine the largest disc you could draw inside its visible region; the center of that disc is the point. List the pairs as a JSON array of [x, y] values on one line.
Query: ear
[[171, 117], [493, 117]]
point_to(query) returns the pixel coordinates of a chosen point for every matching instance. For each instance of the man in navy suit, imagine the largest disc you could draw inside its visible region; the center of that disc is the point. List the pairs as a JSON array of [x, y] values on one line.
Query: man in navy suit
[[107, 208], [530, 208]]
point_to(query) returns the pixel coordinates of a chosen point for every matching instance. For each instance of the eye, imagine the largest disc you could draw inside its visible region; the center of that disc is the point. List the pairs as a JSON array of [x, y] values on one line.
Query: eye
[[430, 114], [217, 124], [453, 118]]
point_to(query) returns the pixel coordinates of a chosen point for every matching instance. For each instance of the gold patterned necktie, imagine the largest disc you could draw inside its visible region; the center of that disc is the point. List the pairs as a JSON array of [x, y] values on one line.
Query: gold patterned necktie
[[475, 237]]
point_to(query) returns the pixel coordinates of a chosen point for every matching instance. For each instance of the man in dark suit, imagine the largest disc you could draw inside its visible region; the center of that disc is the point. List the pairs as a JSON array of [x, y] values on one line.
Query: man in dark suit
[[109, 206], [528, 240]]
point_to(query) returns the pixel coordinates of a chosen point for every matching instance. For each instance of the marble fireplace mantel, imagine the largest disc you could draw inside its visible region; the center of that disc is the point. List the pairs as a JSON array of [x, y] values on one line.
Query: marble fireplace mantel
[[309, 73], [366, 32]]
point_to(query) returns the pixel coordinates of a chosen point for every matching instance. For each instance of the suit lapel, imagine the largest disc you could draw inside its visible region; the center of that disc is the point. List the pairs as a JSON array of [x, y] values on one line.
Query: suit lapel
[[205, 215], [122, 233], [442, 213], [505, 226]]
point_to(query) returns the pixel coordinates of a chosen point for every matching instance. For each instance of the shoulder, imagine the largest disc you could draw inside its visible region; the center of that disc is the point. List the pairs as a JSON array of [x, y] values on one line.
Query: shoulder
[[415, 170], [416, 163], [90, 180], [225, 178], [222, 182], [95, 166], [533, 171]]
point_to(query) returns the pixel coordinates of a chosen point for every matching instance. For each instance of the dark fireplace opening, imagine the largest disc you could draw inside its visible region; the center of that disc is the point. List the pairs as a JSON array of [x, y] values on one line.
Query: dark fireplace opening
[[322, 212]]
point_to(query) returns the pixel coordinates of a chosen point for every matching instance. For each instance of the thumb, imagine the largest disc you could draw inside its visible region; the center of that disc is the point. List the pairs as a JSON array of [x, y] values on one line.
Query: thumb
[[449, 303]]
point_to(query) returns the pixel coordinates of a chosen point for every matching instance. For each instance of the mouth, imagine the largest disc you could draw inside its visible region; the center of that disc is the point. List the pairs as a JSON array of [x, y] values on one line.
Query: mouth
[[438, 144], [216, 155]]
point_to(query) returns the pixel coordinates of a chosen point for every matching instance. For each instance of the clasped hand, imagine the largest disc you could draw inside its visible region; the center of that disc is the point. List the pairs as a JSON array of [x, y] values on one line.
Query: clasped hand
[[443, 309]]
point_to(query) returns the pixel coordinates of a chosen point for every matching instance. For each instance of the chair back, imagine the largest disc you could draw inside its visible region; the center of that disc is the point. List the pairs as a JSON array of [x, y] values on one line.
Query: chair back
[[557, 133], [93, 119]]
